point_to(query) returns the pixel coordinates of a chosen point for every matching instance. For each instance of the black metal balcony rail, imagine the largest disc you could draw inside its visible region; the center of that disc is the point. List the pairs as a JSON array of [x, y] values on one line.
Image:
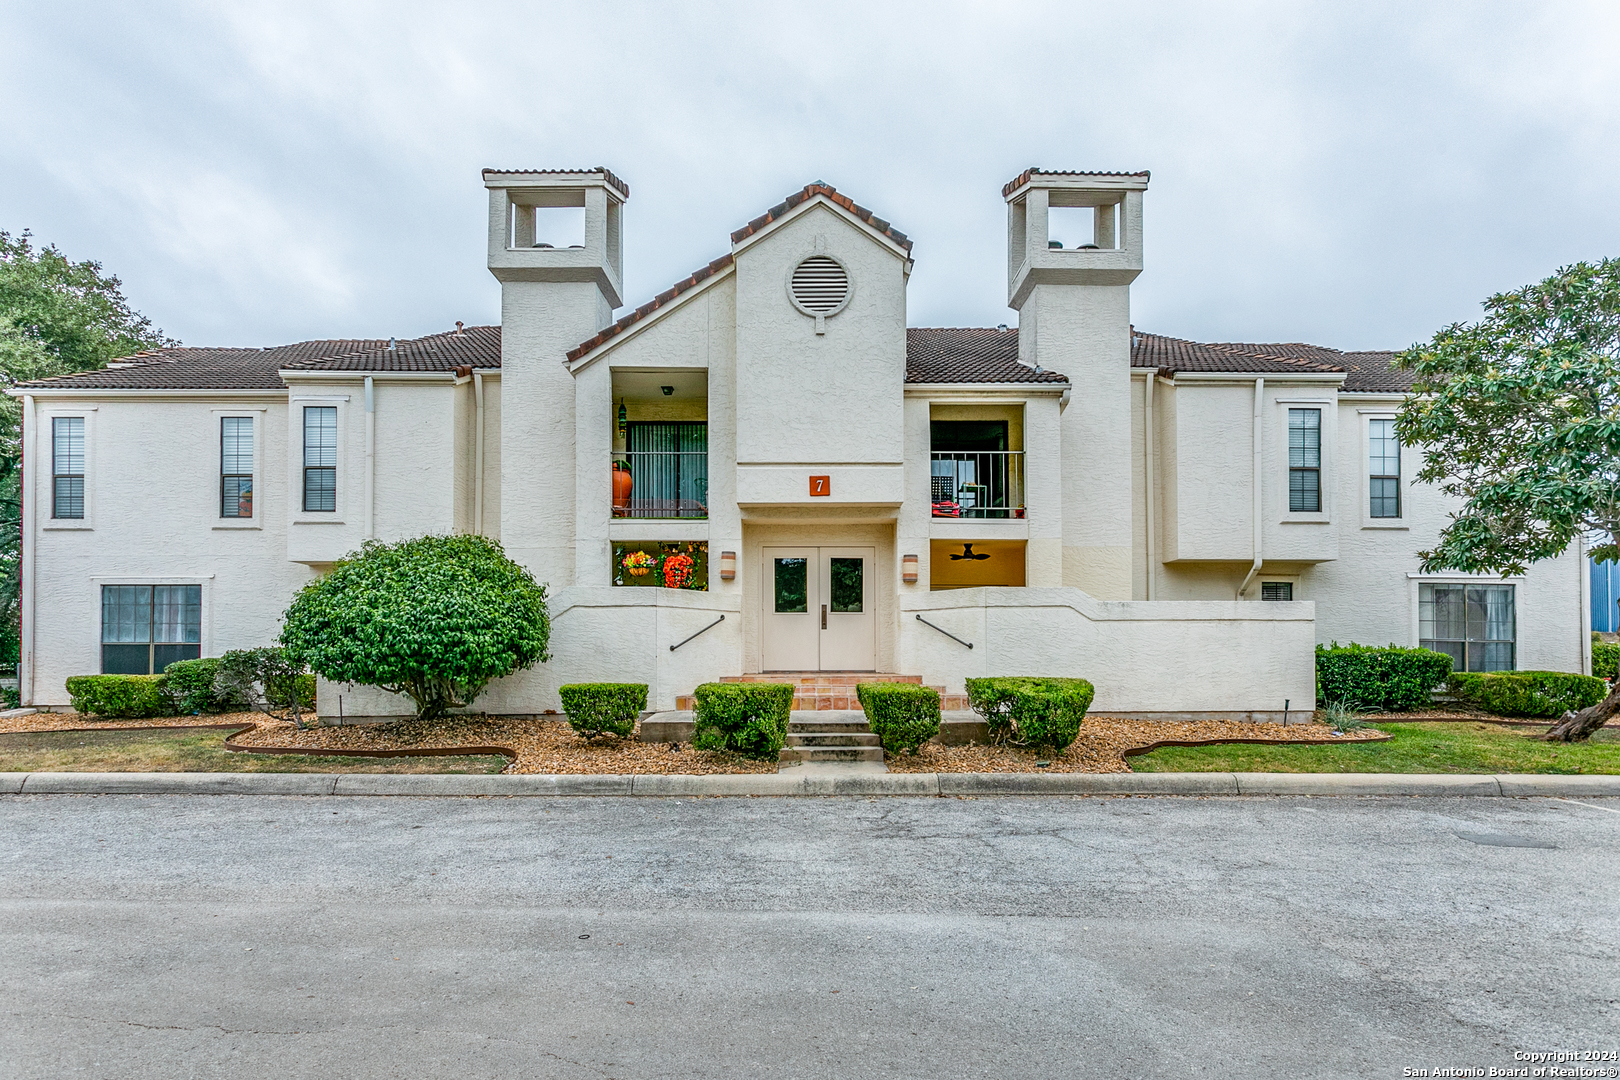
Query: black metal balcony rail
[[661, 484], [978, 483]]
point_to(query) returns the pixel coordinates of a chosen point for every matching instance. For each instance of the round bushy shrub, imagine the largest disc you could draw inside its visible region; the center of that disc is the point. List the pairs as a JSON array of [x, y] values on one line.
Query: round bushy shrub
[[1031, 711], [194, 685], [603, 708], [436, 618], [1387, 677], [750, 719], [902, 715], [120, 696], [1528, 693]]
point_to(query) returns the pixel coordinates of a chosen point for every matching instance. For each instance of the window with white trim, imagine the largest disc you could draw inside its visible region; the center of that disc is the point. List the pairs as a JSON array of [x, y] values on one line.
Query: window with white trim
[[1383, 470], [320, 458], [236, 466], [67, 467], [1473, 624], [1305, 461], [145, 628]]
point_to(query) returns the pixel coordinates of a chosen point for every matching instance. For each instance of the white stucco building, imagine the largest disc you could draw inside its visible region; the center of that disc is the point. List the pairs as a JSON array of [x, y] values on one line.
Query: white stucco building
[[827, 488]]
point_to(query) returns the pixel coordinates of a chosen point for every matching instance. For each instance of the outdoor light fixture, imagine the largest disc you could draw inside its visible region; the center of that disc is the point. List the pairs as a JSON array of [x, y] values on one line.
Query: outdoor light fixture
[[728, 565], [623, 417], [908, 569], [668, 390], [967, 553]]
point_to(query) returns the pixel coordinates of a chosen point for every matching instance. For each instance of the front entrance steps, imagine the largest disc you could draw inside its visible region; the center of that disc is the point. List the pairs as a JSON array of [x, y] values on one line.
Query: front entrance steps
[[825, 736], [828, 690]]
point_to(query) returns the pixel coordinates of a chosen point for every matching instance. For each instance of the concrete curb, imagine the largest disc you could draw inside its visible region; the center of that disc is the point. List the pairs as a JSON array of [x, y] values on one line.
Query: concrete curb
[[914, 784]]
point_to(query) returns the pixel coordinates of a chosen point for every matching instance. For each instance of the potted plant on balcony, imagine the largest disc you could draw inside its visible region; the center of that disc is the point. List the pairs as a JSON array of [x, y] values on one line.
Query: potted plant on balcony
[[639, 563], [623, 482]]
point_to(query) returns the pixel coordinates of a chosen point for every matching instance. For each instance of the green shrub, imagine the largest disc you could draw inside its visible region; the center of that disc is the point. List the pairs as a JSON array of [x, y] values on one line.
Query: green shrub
[[1605, 657], [603, 708], [120, 696], [194, 686], [436, 618], [1031, 711], [745, 718], [1389, 677], [902, 715], [1528, 693], [268, 679]]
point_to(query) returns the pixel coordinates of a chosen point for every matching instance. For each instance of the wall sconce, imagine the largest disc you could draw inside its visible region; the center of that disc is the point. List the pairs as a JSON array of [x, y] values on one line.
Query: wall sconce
[[623, 418], [908, 569], [728, 565]]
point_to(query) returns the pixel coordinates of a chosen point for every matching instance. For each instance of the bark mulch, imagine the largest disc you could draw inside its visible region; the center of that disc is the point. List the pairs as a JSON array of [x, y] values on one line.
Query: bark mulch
[[540, 746], [1104, 740], [69, 721]]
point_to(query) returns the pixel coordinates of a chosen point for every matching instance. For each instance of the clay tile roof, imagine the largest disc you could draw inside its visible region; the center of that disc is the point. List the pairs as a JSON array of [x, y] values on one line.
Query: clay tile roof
[[182, 368], [1373, 372], [1171, 355], [624, 322], [473, 347], [811, 191], [968, 355], [1033, 171], [606, 174]]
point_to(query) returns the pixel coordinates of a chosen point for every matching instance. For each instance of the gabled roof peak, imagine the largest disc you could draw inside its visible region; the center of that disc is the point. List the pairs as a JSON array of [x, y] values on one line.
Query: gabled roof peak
[[826, 190]]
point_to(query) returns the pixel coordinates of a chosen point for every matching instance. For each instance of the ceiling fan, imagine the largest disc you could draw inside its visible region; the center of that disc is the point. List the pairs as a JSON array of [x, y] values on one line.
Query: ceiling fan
[[967, 553]]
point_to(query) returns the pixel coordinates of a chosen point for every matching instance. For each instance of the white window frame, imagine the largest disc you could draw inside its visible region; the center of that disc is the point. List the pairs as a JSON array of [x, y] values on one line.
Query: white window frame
[[205, 580], [257, 520], [44, 451], [295, 459], [1365, 417], [1414, 613], [1327, 473]]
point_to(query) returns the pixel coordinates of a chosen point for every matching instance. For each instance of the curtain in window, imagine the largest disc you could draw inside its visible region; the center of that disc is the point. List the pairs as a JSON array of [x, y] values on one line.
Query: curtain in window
[[145, 628], [1473, 624], [669, 464]]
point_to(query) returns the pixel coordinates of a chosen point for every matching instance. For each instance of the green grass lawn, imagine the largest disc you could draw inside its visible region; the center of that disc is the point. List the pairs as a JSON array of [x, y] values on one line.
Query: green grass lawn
[[1415, 748], [179, 750]]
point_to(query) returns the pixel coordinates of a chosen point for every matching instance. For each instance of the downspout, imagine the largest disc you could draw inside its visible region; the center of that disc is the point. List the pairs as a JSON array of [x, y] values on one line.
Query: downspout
[[478, 452], [1147, 473], [25, 672], [371, 456], [1259, 476]]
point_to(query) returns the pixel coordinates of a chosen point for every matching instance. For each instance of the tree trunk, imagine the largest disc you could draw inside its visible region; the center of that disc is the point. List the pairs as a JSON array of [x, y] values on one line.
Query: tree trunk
[[1579, 726]]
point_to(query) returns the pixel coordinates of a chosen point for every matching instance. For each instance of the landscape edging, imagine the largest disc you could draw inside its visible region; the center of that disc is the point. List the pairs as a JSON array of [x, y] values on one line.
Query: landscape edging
[[820, 784]]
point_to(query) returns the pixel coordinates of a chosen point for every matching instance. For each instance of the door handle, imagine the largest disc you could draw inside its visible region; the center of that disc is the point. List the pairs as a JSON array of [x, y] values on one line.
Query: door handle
[[824, 616]]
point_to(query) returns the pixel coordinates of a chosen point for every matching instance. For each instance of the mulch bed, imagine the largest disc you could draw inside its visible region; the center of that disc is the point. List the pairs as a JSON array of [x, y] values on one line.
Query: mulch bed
[[1105, 742]]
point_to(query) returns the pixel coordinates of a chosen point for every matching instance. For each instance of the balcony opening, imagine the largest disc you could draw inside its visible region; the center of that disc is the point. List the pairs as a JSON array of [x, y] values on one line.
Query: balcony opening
[[977, 461], [957, 564], [660, 444], [554, 219], [1082, 226]]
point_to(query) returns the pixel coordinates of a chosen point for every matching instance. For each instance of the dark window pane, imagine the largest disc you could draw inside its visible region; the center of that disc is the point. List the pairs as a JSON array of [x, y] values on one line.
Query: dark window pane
[[69, 501], [236, 498], [1304, 491], [1276, 590], [792, 593], [1385, 497], [164, 655], [320, 489], [126, 660], [1453, 649], [847, 575]]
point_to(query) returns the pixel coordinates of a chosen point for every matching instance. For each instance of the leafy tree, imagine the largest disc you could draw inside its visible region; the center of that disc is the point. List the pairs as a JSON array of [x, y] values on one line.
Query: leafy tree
[[437, 618], [1518, 416], [56, 317]]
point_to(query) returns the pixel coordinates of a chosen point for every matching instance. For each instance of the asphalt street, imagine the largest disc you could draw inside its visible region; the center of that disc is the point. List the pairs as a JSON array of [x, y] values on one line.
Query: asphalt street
[[226, 936]]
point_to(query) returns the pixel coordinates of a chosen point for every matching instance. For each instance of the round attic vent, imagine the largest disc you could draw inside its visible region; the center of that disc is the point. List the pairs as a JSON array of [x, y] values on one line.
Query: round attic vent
[[819, 286]]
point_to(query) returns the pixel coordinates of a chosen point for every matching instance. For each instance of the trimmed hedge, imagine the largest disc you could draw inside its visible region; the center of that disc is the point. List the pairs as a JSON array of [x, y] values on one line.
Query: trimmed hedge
[[1605, 657], [902, 715], [1528, 693], [1031, 711], [1388, 677], [603, 708], [194, 687], [745, 718], [120, 696]]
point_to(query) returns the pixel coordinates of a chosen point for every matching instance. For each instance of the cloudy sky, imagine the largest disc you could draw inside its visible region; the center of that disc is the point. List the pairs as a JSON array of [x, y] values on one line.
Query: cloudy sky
[[1354, 175]]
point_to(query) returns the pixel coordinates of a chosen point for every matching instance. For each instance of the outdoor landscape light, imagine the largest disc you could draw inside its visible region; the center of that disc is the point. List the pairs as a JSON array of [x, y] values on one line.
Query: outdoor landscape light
[[668, 390]]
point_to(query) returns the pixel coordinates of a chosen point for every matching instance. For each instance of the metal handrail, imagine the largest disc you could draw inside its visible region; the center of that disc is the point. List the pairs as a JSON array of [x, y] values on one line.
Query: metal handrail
[[977, 483], [705, 630], [941, 629]]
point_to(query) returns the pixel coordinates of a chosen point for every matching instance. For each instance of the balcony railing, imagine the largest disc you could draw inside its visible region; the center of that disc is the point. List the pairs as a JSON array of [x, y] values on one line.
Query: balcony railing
[[661, 484], [978, 483]]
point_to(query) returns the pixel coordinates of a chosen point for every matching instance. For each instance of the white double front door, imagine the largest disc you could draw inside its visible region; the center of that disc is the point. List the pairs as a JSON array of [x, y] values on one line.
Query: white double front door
[[819, 609]]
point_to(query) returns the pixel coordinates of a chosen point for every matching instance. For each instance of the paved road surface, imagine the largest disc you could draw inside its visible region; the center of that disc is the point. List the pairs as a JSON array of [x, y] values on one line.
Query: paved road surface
[[165, 936]]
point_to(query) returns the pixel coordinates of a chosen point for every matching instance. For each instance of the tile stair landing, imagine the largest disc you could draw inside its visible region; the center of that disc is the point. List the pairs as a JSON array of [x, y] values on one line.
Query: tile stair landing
[[824, 690]]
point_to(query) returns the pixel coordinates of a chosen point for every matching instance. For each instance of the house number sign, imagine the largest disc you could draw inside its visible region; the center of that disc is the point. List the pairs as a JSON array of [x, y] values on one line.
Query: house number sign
[[821, 485]]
